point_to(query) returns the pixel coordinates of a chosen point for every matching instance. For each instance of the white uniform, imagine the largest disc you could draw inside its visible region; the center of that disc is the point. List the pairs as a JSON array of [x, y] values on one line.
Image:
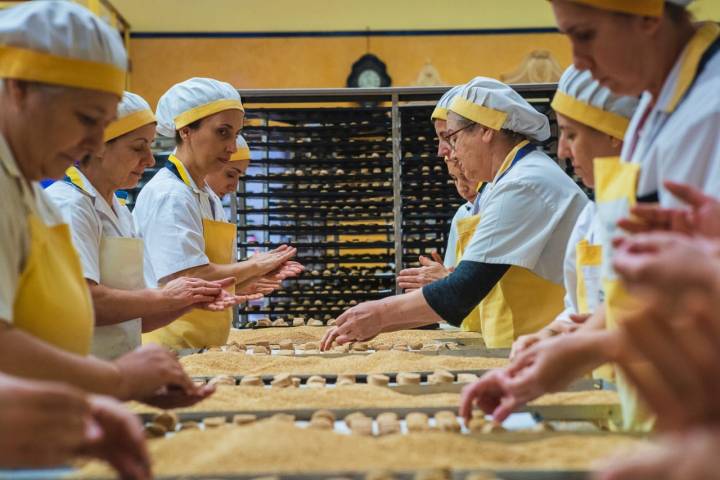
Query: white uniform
[[527, 217], [168, 217], [681, 145], [90, 218], [18, 201], [463, 211], [110, 254], [586, 228]]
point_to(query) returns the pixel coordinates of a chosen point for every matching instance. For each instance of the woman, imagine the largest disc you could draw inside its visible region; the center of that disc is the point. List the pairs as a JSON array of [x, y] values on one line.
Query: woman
[[519, 250], [225, 180], [62, 74], [592, 122], [651, 48], [183, 229], [104, 236]]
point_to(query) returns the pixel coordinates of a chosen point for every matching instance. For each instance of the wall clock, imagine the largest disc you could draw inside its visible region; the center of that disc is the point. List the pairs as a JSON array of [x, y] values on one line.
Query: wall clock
[[369, 72]]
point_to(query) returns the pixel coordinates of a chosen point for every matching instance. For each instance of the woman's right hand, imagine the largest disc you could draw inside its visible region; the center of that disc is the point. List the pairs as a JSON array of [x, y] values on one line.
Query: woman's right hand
[[149, 370], [267, 262]]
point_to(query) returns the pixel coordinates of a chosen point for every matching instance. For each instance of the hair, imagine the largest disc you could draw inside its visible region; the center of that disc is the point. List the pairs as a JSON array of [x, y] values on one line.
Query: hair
[[678, 13], [192, 126]]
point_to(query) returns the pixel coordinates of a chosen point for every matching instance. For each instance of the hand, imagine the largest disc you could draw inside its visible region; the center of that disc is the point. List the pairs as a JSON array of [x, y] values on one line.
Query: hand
[[42, 424], [548, 366], [361, 322], [122, 441], [428, 272], [688, 456], [274, 259], [671, 353], [666, 261], [170, 397], [184, 292], [702, 218], [147, 370], [524, 342], [289, 269], [264, 285]]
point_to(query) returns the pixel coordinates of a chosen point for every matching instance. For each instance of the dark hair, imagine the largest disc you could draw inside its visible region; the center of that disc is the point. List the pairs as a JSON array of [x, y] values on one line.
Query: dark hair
[[192, 126], [678, 13]]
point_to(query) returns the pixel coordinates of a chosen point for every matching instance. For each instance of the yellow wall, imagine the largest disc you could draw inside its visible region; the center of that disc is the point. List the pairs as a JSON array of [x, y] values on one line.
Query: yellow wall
[[312, 15], [326, 62]]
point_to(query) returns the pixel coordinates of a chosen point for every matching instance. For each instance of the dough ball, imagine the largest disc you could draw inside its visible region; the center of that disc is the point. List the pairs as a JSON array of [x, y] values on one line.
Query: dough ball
[[362, 426], [360, 347], [435, 474], [189, 425], [315, 323], [321, 423], [344, 383], [298, 322], [311, 346], [417, 422], [378, 380], [155, 430], [476, 425], [169, 420], [260, 350], [279, 323], [281, 380], [286, 345], [388, 427], [383, 347], [324, 414], [251, 381], [387, 417], [441, 376], [466, 377], [350, 418], [315, 381], [283, 417], [214, 422], [416, 346], [346, 377], [263, 322], [408, 378], [493, 427], [244, 419]]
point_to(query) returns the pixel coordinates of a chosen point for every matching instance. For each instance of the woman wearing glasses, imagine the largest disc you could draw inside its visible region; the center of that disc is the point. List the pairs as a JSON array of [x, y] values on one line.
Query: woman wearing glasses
[[512, 266]]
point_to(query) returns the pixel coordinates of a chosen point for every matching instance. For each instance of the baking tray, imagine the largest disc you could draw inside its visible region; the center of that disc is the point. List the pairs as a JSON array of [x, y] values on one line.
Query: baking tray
[[402, 475]]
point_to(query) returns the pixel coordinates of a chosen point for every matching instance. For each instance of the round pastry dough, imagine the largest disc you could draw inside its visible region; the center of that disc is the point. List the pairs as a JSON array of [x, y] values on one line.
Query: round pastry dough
[[222, 380], [378, 380], [315, 381], [346, 377], [417, 422], [244, 419], [324, 414], [441, 376], [416, 346], [169, 420], [281, 380], [283, 417], [260, 350], [155, 430], [214, 422], [286, 344], [251, 381], [466, 377], [408, 378]]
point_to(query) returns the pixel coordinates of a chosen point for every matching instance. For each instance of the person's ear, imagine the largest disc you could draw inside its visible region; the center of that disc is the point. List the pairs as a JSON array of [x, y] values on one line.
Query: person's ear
[[487, 135], [17, 92]]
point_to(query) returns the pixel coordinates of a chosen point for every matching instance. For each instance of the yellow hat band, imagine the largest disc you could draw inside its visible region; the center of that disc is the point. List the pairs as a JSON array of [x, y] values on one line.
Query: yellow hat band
[[241, 154], [129, 123], [439, 113], [33, 66], [188, 117], [485, 116], [649, 8], [607, 122]]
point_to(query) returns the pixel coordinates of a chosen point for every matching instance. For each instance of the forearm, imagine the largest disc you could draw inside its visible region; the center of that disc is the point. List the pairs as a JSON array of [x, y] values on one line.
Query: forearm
[[114, 306], [595, 322], [26, 356], [455, 296], [159, 320], [243, 272], [598, 347], [409, 310]]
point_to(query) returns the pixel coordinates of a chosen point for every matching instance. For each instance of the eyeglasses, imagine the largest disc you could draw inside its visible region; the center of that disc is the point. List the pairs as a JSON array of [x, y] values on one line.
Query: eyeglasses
[[450, 137]]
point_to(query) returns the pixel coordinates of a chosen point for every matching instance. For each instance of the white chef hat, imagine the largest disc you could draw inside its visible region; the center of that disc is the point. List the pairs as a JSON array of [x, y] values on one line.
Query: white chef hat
[[582, 98], [133, 112], [441, 109], [61, 43], [192, 100], [243, 150], [495, 105], [650, 8]]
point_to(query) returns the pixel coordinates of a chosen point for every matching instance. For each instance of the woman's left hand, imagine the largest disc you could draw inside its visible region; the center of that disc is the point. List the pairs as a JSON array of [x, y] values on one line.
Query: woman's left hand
[[360, 323]]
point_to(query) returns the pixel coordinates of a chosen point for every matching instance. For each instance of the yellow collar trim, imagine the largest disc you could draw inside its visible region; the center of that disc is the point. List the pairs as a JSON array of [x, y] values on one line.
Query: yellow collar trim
[[648, 8], [607, 122], [33, 66], [485, 116], [509, 159], [76, 178], [129, 123], [701, 41], [440, 113], [181, 170], [241, 154], [189, 116]]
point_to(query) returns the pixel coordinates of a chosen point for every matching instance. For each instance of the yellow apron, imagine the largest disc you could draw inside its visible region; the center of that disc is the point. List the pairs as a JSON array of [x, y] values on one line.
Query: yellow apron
[[465, 230], [588, 259], [615, 194], [200, 328], [521, 302], [53, 301]]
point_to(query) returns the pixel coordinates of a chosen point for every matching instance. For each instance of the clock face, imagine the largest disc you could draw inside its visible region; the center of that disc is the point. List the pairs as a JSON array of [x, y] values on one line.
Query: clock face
[[369, 79]]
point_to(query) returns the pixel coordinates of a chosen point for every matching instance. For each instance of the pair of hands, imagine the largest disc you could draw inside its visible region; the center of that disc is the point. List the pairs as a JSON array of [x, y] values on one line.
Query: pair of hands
[[182, 294], [557, 327], [430, 270], [153, 375], [72, 424], [274, 267]]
